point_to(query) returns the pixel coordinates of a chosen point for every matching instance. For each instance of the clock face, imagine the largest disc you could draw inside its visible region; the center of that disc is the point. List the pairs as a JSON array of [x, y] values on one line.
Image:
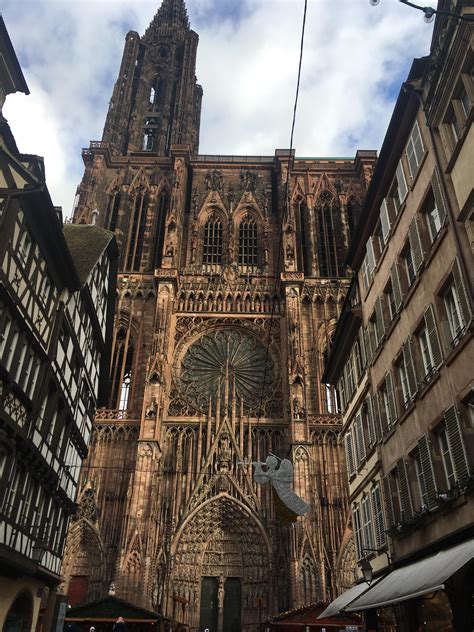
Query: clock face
[[227, 356]]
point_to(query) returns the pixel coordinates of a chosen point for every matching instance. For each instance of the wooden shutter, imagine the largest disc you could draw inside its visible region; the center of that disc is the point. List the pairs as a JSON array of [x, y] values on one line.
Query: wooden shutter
[[379, 524], [349, 454], [363, 351], [391, 397], [388, 501], [415, 243], [357, 531], [379, 423], [370, 421], [359, 440], [404, 486], [456, 443], [410, 368], [402, 183], [428, 473], [371, 256], [384, 221], [368, 345], [462, 294], [379, 320], [432, 333], [396, 287], [438, 195]]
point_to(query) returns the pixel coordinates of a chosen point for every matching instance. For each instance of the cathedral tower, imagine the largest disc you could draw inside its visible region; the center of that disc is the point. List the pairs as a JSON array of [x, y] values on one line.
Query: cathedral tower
[[156, 100], [215, 364]]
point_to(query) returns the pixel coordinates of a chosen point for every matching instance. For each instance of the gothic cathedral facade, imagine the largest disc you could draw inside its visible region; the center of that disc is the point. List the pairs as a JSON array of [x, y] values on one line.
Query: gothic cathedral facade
[[228, 292]]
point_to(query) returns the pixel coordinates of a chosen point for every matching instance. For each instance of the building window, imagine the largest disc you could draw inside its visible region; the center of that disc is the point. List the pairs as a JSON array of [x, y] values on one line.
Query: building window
[[112, 211], [415, 150], [399, 188], [248, 247], [137, 231], [466, 102], [446, 457], [433, 218], [403, 377], [125, 391], [351, 469], [121, 369], [330, 238], [453, 311], [212, 247], [359, 440], [358, 532], [388, 400], [367, 523], [392, 306], [407, 257], [377, 511], [420, 480], [455, 126]]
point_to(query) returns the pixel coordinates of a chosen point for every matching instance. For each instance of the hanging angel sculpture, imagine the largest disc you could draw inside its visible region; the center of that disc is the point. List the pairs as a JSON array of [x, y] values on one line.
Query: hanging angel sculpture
[[291, 505]]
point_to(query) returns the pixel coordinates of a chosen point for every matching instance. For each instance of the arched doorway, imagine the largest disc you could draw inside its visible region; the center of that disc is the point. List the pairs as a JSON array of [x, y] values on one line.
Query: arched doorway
[[221, 570], [20, 615]]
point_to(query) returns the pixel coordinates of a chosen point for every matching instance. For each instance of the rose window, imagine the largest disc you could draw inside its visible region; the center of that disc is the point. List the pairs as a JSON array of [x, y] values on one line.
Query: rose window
[[234, 357]]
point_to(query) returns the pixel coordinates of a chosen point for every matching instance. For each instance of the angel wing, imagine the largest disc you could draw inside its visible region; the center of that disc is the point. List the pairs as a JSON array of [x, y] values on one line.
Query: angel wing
[[294, 503]]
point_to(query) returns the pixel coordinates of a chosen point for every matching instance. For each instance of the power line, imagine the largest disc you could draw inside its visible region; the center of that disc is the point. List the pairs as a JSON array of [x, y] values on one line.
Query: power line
[[285, 214]]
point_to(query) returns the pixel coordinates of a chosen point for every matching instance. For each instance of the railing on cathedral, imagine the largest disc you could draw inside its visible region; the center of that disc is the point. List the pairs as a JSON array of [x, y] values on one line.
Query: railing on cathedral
[[106, 415]]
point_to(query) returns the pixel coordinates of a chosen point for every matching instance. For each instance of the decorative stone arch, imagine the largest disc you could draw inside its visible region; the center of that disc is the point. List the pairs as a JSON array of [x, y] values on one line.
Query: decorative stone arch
[[221, 538], [84, 557], [346, 568], [309, 581], [330, 236]]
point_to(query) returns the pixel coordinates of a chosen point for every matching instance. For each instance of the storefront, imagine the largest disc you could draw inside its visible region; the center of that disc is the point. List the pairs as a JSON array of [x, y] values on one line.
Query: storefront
[[434, 593]]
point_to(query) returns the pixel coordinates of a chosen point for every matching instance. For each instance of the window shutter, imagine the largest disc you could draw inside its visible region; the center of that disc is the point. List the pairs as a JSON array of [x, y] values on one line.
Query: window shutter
[[368, 530], [410, 368], [384, 221], [462, 294], [379, 424], [377, 512], [359, 440], [415, 243], [388, 501], [438, 195], [368, 345], [371, 256], [427, 469], [430, 324], [402, 183], [370, 421], [405, 497], [349, 454], [391, 397], [379, 321], [456, 443], [396, 288], [363, 351], [357, 531]]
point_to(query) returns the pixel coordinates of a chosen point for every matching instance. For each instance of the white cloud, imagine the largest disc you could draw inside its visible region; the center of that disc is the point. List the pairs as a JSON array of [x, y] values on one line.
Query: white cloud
[[354, 59]]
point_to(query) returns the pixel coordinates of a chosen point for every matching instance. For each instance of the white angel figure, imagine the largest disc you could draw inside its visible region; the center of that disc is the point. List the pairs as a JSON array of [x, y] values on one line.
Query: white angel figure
[[282, 481]]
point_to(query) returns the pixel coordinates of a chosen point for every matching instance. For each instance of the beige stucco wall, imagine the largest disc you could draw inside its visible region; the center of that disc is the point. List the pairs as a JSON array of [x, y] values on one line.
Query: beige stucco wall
[[463, 169], [11, 588]]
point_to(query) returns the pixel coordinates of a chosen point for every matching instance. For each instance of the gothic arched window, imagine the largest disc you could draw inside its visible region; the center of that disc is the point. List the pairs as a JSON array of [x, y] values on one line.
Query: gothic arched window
[[353, 210], [137, 229], [248, 252], [121, 374], [112, 211], [212, 245], [330, 238], [163, 204]]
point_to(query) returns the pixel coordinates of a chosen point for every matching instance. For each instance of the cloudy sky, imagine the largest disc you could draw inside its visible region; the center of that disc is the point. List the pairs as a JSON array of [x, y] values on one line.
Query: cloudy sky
[[355, 58]]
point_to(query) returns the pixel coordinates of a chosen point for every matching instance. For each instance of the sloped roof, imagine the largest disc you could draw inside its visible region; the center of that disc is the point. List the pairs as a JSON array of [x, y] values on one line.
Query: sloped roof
[[111, 607], [86, 244]]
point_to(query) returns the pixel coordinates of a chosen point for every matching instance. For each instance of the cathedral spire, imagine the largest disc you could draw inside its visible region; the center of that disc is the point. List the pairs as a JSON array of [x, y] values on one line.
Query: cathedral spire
[[172, 15]]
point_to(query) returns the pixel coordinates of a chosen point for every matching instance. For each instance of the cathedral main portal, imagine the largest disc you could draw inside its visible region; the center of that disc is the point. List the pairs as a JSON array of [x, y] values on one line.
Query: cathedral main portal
[[221, 567]]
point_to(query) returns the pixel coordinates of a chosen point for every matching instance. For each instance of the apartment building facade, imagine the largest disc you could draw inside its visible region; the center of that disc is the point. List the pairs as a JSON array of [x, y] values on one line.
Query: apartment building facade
[[402, 355]]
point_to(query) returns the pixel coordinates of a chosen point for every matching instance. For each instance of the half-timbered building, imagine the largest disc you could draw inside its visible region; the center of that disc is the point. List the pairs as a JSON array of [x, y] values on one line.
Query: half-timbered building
[[56, 305]]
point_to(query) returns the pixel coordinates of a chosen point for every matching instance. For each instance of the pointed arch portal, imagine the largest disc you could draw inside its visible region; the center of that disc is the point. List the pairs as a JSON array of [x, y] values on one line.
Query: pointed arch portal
[[221, 569]]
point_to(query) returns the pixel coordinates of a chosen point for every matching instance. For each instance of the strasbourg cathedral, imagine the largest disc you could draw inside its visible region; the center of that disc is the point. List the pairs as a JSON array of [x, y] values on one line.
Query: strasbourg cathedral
[[214, 363]]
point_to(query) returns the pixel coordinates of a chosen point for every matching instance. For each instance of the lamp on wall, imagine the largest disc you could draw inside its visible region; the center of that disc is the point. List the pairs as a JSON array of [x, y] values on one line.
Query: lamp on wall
[[430, 12], [367, 570], [38, 550]]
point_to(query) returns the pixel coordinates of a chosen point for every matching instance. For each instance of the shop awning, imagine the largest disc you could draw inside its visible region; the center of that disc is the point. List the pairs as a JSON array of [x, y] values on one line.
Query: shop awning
[[419, 578], [344, 599]]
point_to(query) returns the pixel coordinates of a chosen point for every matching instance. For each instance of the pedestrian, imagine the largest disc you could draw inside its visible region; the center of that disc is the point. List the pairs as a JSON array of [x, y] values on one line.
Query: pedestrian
[[92, 629], [119, 625]]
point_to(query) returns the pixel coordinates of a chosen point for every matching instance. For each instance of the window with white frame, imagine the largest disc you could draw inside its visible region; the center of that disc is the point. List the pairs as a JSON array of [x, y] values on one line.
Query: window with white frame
[[407, 256], [420, 479], [414, 150], [432, 216], [453, 311], [403, 377], [388, 400], [446, 458], [350, 461]]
